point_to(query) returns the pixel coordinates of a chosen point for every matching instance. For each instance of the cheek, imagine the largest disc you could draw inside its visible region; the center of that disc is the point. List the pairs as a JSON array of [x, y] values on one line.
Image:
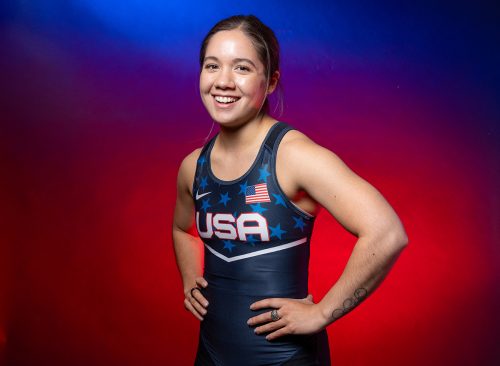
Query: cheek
[[252, 87], [205, 83]]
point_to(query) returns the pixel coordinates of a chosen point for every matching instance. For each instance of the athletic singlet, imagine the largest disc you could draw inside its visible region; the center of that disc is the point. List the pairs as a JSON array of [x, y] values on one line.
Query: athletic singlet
[[256, 247]]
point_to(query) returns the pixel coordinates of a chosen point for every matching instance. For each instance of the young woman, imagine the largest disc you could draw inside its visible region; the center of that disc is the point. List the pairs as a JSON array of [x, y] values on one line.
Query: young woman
[[253, 192]]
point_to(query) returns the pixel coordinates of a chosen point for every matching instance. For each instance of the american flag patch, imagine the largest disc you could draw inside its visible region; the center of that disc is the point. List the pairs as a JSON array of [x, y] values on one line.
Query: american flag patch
[[257, 193]]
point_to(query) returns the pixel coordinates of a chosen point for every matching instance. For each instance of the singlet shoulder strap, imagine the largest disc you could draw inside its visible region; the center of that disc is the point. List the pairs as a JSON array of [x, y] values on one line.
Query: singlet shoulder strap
[[201, 162], [276, 135], [207, 145]]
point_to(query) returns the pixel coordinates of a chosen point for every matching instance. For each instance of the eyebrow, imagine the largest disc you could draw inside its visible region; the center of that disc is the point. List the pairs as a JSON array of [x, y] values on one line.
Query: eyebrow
[[236, 60]]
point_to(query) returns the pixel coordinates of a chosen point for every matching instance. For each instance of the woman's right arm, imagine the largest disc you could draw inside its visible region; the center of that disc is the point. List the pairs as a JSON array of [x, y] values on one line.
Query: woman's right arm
[[188, 248]]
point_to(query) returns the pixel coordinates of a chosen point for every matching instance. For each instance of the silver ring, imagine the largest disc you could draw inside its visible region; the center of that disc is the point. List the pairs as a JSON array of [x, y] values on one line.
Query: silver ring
[[274, 315]]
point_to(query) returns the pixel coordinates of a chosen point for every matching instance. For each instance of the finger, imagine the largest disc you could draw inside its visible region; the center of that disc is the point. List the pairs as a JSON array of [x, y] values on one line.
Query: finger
[[264, 317], [279, 333], [271, 326], [199, 308], [198, 296], [200, 281], [268, 303], [260, 319], [190, 308]]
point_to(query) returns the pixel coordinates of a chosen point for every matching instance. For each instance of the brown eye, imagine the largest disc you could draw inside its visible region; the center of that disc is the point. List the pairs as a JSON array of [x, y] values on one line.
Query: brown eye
[[210, 67], [242, 68]]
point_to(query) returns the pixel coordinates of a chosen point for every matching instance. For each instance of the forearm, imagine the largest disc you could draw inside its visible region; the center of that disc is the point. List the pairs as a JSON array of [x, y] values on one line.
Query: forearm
[[189, 256], [369, 263]]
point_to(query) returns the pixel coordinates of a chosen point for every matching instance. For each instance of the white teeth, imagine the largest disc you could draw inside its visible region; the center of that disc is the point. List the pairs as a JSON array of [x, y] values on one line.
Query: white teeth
[[225, 99]]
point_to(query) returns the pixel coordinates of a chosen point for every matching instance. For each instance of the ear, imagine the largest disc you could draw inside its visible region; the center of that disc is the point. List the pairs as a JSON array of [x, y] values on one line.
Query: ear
[[273, 82]]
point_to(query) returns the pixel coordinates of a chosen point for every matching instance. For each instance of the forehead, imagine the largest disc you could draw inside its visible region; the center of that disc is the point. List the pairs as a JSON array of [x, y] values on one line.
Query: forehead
[[231, 44]]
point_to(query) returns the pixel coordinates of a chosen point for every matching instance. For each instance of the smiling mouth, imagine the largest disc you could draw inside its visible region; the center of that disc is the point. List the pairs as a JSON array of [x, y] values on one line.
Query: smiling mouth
[[225, 100]]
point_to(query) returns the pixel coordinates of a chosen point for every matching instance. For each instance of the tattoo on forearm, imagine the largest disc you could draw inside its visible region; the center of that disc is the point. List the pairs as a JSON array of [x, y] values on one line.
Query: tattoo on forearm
[[349, 303]]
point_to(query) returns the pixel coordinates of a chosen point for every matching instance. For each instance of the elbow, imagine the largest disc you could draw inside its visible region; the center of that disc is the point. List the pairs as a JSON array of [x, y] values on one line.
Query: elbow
[[398, 239]]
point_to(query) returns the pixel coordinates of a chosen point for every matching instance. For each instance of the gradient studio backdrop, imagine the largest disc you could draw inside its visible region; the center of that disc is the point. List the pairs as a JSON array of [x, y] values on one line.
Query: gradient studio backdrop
[[99, 104]]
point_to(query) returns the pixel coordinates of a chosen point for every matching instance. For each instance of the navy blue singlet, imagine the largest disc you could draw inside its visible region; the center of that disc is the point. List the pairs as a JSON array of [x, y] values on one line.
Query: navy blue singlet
[[256, 247]]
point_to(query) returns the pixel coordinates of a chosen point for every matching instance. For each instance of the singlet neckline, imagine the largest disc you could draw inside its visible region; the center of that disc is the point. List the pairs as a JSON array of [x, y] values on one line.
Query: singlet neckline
[[257, 158]]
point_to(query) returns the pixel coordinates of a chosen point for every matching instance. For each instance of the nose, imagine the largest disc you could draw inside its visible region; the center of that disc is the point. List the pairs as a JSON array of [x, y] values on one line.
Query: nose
[[224, 79]]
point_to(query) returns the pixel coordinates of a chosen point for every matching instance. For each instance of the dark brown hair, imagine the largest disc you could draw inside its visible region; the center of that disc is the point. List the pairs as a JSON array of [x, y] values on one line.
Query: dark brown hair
[[263, 39]]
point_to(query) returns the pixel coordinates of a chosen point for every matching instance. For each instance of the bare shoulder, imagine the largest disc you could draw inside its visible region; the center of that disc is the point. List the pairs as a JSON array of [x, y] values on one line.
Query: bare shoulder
[[294, 139], [187, 169], [298, 150], [354, 202]]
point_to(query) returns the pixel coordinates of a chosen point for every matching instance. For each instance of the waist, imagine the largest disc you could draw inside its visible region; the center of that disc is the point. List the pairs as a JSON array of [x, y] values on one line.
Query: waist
[[227, 337], [283, 273]]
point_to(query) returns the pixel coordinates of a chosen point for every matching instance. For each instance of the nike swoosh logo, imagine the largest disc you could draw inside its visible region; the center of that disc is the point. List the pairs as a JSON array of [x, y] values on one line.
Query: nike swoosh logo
[[198, 196]]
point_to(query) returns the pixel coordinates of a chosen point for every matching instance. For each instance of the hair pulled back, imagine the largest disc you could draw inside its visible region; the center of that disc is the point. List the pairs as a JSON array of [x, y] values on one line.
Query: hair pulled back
[[262, 37]]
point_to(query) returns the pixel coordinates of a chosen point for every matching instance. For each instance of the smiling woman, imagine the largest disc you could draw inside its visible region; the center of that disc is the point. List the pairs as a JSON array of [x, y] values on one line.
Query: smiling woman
[[233, 80], [252, 192]]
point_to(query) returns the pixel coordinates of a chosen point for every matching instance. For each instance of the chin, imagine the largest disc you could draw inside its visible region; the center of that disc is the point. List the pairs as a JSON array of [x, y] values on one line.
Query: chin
[[232, 121]]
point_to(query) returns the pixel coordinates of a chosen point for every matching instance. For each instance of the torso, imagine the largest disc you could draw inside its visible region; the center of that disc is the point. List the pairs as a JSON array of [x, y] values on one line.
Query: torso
[[230, 166], [256, 246]]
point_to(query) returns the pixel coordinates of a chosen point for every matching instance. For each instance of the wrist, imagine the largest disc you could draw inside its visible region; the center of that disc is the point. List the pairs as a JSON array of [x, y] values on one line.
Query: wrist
[[324, 313]]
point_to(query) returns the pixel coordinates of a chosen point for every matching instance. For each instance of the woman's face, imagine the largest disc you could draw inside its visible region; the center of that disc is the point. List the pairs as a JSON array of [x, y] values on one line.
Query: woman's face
[[233, 83]]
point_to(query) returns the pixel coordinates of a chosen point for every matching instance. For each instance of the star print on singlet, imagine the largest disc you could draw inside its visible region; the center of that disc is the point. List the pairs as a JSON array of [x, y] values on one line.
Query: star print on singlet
[[251, 212]]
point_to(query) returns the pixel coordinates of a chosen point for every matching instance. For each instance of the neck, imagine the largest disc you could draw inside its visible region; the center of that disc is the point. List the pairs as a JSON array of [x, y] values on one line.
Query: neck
[[244, 136]]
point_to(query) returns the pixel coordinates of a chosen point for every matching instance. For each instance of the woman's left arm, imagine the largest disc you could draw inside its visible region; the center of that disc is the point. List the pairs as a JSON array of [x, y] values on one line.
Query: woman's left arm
[[361, 210]]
